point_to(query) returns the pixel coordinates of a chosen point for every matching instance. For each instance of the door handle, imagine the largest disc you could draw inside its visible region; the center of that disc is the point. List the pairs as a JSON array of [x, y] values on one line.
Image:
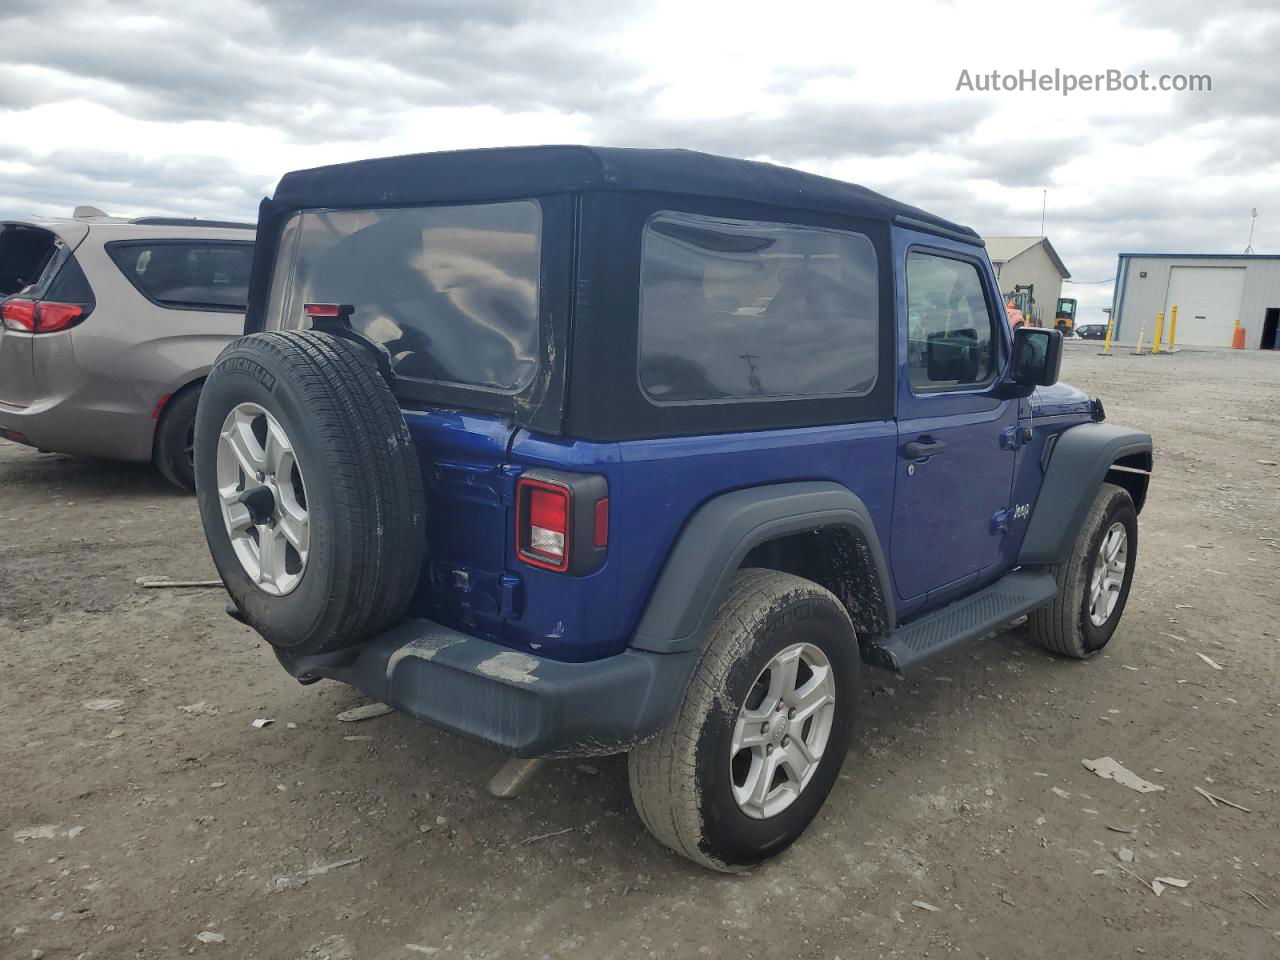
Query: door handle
[[922, 448]]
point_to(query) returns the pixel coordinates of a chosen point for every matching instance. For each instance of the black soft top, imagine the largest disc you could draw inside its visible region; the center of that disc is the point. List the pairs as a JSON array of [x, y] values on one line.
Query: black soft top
[[467, 176]]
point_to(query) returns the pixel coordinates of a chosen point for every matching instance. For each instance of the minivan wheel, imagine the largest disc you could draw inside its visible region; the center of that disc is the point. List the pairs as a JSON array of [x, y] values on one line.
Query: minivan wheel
[[762, 733], [175, 439], [310, 490]]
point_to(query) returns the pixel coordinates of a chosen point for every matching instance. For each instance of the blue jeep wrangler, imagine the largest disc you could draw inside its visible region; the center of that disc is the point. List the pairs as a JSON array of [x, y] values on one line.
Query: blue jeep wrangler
[[582, 451]]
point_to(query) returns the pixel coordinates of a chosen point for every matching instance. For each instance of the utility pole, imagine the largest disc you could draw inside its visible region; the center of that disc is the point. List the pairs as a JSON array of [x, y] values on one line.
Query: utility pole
[[1044, 203]]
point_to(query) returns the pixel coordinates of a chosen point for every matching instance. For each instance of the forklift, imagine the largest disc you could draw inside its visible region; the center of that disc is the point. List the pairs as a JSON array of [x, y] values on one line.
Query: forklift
[[1065, 320], [1019, 306]]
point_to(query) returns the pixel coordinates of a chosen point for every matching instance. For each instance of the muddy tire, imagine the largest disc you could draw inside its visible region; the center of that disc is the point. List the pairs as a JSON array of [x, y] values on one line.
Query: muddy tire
[[175, 439], [757, 744], [310, 490], [1094, 580]]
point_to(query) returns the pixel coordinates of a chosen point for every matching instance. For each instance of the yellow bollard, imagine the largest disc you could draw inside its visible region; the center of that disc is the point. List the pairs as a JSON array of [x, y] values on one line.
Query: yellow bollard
[[1155, 344], [1142, 335], [1111, 328], [1173, 326]]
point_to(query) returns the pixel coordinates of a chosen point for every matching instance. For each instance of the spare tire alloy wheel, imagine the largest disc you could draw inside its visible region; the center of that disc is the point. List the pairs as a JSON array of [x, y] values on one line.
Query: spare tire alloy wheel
[[264, 499]]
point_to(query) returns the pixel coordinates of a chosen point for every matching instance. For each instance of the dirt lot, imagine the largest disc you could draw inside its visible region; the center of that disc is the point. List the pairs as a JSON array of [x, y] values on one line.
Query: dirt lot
[[127, 731]]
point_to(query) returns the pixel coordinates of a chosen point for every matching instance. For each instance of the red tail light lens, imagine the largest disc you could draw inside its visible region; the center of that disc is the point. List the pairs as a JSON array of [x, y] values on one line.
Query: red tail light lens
[[601, 538], [41, 316], [316, 311], [57, 316], [542, 523], [19, 315]]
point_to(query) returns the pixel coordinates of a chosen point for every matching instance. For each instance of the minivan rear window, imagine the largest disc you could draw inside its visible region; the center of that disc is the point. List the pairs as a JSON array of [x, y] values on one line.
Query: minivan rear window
[[451, 291], [25, 254], [187, 274]]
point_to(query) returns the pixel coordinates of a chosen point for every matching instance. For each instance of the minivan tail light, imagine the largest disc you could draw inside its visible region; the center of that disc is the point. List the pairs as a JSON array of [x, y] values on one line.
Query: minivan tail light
[[562, 520], [19, 315], [51, 317], [41, 316]]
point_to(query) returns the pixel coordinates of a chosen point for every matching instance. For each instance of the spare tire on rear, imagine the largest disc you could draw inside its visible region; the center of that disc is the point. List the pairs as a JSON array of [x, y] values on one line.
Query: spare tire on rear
[[309, 488]]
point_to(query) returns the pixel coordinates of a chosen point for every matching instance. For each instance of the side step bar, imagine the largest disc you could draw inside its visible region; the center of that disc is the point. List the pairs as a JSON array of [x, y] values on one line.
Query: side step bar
[[968, 619]]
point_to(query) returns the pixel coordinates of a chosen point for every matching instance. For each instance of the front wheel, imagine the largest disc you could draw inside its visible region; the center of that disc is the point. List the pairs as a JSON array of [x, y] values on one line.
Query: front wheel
[[1094, 580], [763, 730]]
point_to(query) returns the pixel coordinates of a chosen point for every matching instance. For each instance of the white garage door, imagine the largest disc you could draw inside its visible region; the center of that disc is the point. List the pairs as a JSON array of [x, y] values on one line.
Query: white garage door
[[1208, 301]]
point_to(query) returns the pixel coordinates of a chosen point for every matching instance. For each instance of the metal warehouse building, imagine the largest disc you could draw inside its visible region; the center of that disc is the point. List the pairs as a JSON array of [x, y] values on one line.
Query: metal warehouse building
[[1211, 291]]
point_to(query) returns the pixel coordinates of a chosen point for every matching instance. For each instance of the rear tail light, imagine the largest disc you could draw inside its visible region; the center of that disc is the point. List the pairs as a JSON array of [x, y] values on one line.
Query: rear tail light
[[545, 530], [562, 521], [42, 316], [19, 315]]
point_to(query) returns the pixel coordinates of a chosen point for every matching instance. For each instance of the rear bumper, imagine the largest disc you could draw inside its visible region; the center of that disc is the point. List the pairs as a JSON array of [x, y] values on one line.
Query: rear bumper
[[61, 425], [524, 705]]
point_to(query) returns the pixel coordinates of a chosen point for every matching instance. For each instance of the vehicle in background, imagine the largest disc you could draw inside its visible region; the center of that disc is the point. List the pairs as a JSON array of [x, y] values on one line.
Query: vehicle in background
[[109, 327], [1019, 306], [1016, 317], [1091, 331], [1065, 318]]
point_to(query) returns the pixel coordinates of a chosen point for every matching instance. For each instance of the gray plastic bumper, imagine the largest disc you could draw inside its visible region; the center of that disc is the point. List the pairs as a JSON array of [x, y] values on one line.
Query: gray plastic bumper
[[524, 705]]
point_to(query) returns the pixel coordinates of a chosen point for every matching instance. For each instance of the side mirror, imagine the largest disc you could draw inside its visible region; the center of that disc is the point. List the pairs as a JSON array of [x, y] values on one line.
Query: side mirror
[[1037, 356]]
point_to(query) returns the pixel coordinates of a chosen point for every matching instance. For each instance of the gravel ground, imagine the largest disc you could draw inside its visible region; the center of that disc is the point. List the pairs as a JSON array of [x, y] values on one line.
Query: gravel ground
[[164, 814]]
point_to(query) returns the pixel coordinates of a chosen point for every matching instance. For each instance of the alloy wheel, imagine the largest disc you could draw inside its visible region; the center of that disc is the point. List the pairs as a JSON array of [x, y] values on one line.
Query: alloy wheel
[[263, 498], [1108, 574], [782, 730]]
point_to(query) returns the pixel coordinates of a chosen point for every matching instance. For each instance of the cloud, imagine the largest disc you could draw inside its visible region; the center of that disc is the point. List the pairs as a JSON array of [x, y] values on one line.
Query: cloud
[[1020, 162], [147, 106], [803, 131], [120, 183]]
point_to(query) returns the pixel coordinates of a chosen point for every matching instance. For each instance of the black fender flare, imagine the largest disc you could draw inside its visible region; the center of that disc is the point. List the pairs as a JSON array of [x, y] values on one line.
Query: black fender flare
[[712, 545], [1078, 464]]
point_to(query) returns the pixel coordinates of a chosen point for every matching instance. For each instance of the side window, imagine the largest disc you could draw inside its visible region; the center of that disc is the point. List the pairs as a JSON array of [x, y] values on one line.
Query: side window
[[195, 276], [951, 336], [733, 309]]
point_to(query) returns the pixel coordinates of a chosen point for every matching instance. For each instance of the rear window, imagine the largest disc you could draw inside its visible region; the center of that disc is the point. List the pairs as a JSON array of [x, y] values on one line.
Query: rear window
[[25, 254], [451, 291], [191, 275], [734, 309]]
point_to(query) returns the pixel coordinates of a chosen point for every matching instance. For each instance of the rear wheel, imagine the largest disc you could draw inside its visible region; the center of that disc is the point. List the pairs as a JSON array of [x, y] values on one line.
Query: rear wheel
[[749, 760], [1094, 580], [310, 490], [174, 454]]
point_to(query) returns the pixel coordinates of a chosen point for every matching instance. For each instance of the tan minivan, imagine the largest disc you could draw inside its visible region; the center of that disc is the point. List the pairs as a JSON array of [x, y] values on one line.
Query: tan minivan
[[109, 327]]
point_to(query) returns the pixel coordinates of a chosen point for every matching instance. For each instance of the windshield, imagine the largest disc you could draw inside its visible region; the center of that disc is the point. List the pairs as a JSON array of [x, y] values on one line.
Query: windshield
[[452, 292]]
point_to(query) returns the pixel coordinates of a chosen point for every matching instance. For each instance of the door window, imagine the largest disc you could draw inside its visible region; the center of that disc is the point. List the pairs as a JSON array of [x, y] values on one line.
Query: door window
[[951, 339]]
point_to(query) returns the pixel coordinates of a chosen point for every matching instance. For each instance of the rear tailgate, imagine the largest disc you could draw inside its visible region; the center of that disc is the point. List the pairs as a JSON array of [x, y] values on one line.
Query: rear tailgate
[[29, 257]]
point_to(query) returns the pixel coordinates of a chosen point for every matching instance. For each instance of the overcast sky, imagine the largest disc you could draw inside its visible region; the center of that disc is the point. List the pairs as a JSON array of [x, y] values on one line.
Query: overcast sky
[[198, 108]]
